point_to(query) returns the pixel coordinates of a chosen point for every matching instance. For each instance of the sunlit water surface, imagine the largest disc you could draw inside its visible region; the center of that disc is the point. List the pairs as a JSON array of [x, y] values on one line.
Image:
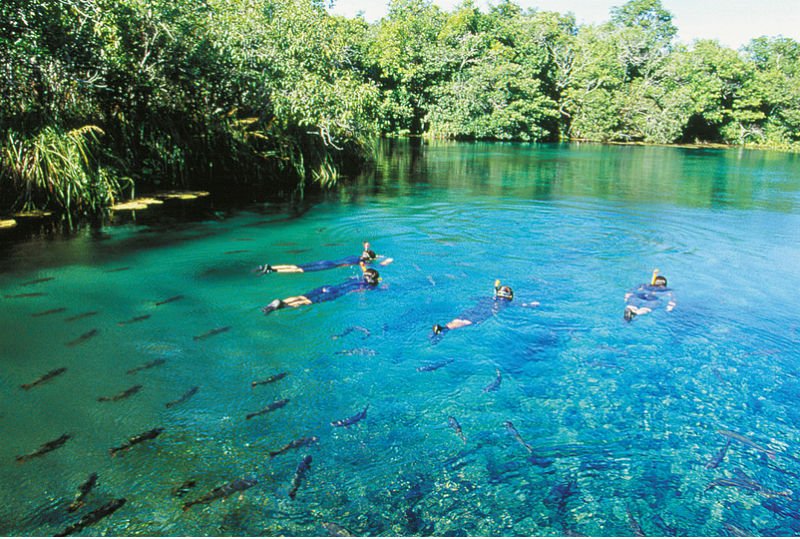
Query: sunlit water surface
[[621, 419]]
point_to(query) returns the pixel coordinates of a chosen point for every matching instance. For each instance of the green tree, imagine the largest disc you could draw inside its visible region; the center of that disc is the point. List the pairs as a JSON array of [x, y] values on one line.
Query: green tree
[[712, 77], [619, 87], [506, 87], [774, 91], [407, 63]]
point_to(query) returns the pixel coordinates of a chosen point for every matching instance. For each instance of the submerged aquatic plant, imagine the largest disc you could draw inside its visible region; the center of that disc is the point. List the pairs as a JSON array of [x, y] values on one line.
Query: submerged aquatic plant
[[56, 170]]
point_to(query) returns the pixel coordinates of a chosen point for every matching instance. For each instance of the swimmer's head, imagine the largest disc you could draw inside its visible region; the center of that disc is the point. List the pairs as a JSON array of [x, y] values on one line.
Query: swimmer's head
[[368, 254], [630, 313], [660, 281], [371, 276], [504, 292]]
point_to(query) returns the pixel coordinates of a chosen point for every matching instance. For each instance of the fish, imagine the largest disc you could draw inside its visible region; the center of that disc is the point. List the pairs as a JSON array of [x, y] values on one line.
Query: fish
[[83, 490], [434, 366], [456, 427], [168, 300], [182, 490], [44, 378], [515, 433], [495, 384], [115, 270], [335, 530], [567, 531], [45, 448], [670, 531], [123, 395], [274, 406], [148, 365], [299, 474], [91, 518], [717, 459], [559, 495], [237, 251], [736, 531], [28, 295], [37, 281], [414, 523], [773, 505], [139, 438], [637, 529], [83, 338], [211, 333], [603, 365], [185, 397], [273, 378], [350, 330], [49, 311], [237, 485], [300, 442], [743, 482], [80, 316], [357, 352], [351, 420], [746, 441], [134, 320]]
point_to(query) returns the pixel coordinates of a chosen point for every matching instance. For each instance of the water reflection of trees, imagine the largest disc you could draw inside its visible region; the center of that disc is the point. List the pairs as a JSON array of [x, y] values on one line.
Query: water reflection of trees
[[689, 177]]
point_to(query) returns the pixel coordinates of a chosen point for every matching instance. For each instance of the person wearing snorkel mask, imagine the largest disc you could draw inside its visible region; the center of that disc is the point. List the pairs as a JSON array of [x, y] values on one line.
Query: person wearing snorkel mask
[[368, 280], [648, 297], [482, 311], [367, 256]]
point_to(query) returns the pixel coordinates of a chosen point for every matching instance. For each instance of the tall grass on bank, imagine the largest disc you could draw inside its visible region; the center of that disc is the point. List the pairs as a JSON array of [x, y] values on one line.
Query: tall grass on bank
[[56, 170]]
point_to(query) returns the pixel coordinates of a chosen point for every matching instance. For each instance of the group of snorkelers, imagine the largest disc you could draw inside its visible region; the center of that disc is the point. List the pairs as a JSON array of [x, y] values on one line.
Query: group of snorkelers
[[642, 300], [370, 278]]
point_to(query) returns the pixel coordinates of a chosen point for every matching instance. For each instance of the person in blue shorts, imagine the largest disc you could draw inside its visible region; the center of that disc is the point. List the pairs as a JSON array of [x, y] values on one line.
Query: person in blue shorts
[[369, 280], [648, 297], [367, 256], [482, 311]]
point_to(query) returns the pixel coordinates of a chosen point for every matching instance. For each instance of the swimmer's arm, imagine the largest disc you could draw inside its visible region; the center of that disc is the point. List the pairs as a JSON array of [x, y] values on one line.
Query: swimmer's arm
[[671, 303], [531, 304], [386, 261]]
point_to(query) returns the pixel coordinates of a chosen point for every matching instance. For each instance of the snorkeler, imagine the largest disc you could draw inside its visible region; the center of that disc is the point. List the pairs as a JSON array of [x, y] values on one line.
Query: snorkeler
[[367, 281], [368, 255], [648, 297], [482, 311]]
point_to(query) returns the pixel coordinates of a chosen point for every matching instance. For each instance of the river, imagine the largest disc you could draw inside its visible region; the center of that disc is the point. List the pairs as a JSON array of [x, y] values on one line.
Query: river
[[572, 420]]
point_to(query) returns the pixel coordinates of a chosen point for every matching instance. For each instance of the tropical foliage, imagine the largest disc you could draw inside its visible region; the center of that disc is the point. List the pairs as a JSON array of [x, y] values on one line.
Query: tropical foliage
[[254, 96]]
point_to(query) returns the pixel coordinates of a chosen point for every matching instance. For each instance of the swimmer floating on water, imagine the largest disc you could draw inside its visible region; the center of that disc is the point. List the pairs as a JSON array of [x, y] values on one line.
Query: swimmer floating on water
[[368, 255], [648, 297], [482, 311], [367, 281]]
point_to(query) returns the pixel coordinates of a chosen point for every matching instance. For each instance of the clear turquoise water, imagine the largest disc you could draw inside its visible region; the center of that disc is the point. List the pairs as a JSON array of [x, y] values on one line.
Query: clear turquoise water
[[625, 414]]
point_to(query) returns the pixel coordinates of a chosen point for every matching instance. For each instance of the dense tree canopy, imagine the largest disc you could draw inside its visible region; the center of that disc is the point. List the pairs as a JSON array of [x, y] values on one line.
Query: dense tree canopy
[[101, 96]]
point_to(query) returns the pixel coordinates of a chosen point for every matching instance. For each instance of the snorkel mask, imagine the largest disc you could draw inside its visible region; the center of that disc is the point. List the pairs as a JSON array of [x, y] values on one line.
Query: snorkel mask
[[368, 254], [658, 280], [502, 292], [371, 276]]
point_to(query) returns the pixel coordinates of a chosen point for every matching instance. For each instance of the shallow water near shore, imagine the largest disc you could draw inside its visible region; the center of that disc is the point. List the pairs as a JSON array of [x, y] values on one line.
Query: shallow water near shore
[[618, 423]]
